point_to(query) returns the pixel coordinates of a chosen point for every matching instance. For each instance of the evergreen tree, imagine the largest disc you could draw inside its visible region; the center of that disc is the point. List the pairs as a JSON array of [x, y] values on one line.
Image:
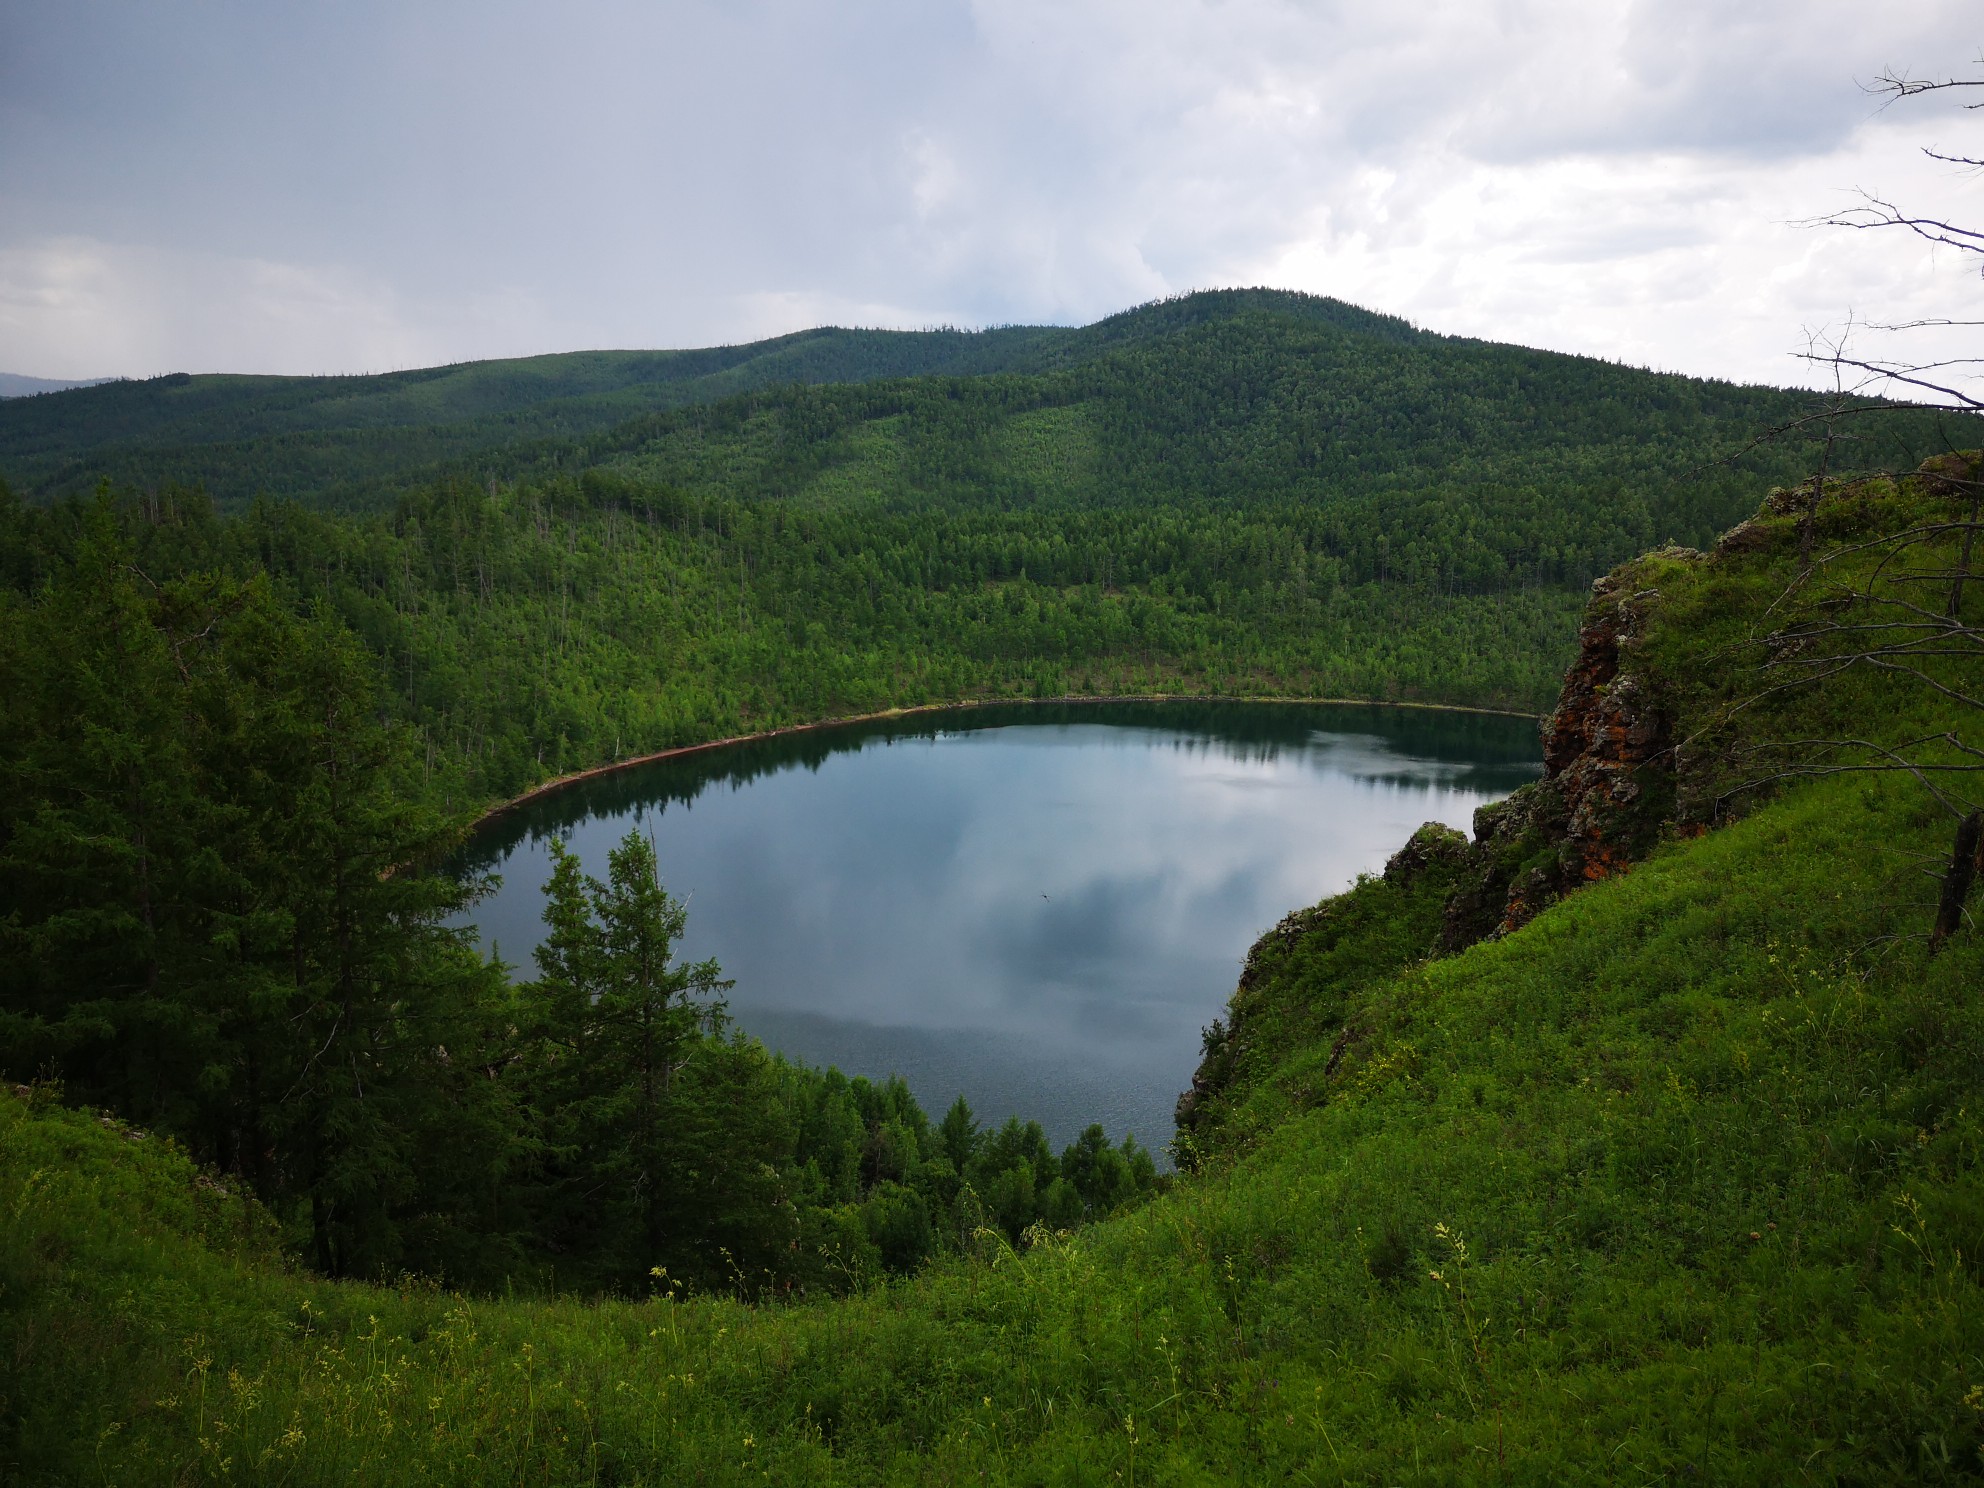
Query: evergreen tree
[[222, 918]]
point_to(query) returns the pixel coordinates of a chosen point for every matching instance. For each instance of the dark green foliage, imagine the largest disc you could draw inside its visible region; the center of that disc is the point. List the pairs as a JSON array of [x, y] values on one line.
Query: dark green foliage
[[201, 927], [638, 1108], [1101, 1178], [898, 1222], [960, 1134], [1390, 1259], [1229, 394], [339, 439], [524, 641]]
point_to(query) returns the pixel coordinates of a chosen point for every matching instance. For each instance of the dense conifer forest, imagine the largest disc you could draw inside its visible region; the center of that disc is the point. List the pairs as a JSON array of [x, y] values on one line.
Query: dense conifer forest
[[1304, 386]]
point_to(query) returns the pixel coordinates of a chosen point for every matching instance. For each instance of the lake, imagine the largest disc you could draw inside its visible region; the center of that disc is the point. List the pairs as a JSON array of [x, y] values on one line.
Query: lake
[[1037, 906]]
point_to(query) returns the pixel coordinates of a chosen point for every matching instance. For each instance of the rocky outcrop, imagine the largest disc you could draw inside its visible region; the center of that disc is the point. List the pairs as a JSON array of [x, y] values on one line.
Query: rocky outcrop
[[1434, 845], [1606, 791], [1619, 772], [1607, 786]]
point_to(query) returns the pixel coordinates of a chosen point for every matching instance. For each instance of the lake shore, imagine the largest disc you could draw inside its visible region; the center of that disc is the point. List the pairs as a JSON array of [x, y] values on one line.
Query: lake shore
[[560, 782]]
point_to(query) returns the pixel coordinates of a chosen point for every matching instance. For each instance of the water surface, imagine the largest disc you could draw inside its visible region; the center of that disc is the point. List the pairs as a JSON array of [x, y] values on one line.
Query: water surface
[[1037, 907]]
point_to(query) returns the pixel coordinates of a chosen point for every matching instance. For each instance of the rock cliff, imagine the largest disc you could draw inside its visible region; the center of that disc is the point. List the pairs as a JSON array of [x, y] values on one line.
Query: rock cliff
[[1606, 790], [1607, 786]]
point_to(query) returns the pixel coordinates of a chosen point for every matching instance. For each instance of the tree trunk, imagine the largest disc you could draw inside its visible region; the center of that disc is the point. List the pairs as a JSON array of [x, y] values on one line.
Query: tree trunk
[[1955, 608], [320, 1234], [1957, 881]]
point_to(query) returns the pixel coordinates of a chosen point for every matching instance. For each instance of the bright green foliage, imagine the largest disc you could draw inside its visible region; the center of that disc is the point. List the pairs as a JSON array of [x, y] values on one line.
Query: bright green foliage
[[1302, 984]]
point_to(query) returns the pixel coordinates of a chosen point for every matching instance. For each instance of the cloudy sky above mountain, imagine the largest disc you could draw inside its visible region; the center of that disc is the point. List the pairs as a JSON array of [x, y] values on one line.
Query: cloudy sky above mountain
[[233, 185]]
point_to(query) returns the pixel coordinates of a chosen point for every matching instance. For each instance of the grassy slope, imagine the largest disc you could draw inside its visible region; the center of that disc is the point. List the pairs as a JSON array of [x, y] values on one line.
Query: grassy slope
[[1708, 1133]]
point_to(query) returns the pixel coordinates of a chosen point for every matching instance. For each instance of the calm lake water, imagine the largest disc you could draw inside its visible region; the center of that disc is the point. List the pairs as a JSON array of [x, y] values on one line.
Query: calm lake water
[[1037, 907]]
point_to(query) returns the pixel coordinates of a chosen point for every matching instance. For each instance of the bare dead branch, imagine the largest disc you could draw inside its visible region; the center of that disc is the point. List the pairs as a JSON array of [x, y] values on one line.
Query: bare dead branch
[[1877, 212], [1896, 87], [1960, 401]]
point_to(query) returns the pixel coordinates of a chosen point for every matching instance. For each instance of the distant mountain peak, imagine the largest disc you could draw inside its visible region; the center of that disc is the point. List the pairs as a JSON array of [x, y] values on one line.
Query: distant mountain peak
[[17, 385], [1201, 306]]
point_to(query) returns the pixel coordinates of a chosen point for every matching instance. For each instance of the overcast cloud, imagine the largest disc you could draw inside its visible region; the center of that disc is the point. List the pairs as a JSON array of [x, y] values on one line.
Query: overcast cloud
[[355, 187]]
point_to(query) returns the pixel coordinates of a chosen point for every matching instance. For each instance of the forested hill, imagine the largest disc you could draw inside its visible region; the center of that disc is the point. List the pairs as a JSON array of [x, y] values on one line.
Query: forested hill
[[330, 438], [325, 438], [1241, 493], [1220, 393]]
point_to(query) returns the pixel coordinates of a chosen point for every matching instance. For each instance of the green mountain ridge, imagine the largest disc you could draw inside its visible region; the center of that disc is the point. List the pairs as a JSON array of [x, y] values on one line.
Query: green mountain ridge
[[354, 440], [1682, 1179], [249, 426]]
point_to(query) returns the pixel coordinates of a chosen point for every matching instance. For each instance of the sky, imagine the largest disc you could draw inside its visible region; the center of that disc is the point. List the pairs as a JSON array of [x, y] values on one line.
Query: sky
[[210, 185]]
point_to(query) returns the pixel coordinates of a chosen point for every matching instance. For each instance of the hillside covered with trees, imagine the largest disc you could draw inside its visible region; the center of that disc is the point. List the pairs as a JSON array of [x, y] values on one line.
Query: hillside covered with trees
[[1241, 493], [1234, 394]]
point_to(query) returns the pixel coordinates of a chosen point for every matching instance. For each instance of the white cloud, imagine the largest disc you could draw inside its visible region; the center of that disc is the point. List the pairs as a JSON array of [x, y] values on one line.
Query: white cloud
[[296, 191]]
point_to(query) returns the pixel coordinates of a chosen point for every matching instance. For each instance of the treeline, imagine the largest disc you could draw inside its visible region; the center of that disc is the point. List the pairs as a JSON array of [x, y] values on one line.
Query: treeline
[[533, 631], [1241, 493], [358, 440], [538, 628], [333, 440], [660, 1137], [226, 919], [1223, 397], [1368, 435]]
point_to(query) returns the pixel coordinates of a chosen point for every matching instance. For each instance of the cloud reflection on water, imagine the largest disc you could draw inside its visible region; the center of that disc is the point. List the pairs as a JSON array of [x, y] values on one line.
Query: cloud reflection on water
[[1042, 914]]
